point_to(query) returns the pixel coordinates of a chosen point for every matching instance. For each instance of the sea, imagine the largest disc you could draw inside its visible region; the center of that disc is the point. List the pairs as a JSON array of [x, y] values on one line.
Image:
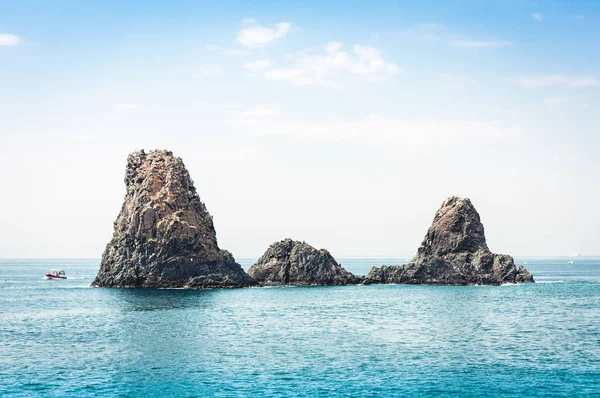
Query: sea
[[65, 338]]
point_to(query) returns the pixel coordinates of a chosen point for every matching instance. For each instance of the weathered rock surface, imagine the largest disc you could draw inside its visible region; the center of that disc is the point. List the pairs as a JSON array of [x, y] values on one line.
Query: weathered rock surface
[[164, 236], [523, 276], [454, 252], [291, 262]]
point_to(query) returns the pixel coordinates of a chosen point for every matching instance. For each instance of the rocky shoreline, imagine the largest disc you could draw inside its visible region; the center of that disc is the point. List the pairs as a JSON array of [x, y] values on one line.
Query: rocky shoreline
[[164, 237]]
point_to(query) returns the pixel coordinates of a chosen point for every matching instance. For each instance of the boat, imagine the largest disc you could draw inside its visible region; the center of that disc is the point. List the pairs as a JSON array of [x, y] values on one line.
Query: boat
[[56, 274]]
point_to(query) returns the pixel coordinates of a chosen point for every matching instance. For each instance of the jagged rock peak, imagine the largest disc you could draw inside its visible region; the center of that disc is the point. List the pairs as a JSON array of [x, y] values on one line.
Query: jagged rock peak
[[290, 262], [454, 252], [456, 227], [164, 236]]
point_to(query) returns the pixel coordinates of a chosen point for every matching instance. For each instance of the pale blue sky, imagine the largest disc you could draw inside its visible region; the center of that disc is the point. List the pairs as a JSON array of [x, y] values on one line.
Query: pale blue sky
[[345, 124]]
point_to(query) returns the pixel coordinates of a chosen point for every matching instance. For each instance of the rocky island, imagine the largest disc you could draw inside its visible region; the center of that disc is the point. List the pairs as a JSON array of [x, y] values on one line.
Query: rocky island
[[289, 262], [454, 252], [164, 237]]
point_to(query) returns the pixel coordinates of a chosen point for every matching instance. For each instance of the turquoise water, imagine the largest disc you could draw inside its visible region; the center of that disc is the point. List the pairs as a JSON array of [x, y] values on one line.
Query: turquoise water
[[62, 338]]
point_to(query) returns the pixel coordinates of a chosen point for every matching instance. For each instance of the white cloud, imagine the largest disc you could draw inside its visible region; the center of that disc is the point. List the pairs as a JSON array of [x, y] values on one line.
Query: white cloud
[[325, 69], [211, 47], [333, 47], [556, 100], [303, 53], [259, 36], [210, 69], [384, 130], [392, 68], [479, 43], [257, 65], [248, 21], [128, 107], [538, 17], [7, 39], [558, 80]]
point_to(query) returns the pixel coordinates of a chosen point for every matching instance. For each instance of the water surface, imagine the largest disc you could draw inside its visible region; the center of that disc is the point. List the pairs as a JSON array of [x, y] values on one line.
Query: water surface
[[63, 338]]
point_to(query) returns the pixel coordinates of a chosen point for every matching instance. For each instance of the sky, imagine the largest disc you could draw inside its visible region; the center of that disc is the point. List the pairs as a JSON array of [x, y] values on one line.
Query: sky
[[342, 124]]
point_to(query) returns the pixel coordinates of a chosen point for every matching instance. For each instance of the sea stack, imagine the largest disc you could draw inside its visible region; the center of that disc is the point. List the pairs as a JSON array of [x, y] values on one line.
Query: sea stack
[[164, 236], [291, 262], [454, 252]]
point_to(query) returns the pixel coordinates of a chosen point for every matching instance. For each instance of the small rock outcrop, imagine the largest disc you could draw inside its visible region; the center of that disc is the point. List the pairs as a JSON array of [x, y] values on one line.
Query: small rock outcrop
[[291, 262], [454, 252], [164, 236], [523, 276]]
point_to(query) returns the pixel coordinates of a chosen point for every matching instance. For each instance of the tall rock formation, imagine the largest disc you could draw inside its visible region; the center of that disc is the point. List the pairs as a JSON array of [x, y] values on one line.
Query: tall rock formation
[[164, 236], [454, 252], [291, 262]]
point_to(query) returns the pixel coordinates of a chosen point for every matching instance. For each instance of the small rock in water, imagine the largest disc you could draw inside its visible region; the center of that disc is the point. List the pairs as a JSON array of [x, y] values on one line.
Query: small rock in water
[[523, 275], [291, 262], [454, 252]]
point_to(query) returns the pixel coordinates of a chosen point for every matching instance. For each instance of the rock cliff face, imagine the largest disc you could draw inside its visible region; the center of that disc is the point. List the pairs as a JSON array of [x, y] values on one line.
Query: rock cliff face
[[454, 252], [164, 236], [291, 262]]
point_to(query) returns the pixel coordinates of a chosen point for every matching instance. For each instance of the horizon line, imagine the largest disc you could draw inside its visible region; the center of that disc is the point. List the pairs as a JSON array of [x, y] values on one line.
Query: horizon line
[[539, 256]]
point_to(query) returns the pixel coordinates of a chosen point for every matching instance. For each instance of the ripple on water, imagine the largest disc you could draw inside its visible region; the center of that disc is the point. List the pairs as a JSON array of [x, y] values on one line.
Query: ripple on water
[[386, 340]]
